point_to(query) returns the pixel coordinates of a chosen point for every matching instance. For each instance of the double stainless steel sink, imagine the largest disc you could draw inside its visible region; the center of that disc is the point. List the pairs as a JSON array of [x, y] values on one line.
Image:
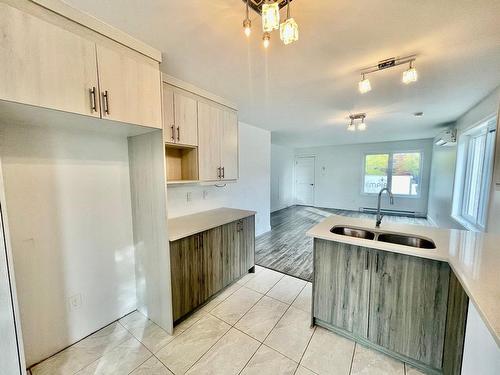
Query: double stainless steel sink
[[395, 238]]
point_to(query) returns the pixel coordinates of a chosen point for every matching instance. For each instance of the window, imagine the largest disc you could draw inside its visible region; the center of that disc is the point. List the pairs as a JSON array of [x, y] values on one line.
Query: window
[[474, 169], [399, 171]]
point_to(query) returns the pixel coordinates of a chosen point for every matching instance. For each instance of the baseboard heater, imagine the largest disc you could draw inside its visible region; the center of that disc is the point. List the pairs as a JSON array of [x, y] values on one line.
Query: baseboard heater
[[370, 210]]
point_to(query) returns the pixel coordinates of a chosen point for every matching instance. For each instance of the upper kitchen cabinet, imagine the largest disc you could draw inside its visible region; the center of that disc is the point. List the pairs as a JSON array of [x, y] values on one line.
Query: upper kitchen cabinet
[[180, 116], [70, 62], [45, 65], [218, 142], [129, 87]]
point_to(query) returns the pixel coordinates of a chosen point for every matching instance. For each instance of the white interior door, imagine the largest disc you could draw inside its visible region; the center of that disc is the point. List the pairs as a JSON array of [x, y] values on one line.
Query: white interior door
[[304, 181]]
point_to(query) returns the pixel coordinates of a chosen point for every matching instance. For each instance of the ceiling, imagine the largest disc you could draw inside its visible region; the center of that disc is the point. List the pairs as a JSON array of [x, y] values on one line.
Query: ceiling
[[304, 92]]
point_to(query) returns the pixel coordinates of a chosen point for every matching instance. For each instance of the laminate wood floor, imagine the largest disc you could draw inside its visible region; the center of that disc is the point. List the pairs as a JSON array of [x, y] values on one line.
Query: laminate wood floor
[[287, 249]]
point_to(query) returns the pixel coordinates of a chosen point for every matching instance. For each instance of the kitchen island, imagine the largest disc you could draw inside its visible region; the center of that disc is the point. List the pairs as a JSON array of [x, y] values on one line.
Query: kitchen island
[[408, 302]]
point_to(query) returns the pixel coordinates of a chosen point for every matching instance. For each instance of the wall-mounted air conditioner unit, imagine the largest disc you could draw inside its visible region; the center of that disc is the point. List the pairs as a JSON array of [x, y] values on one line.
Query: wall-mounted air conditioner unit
[[447, 138]]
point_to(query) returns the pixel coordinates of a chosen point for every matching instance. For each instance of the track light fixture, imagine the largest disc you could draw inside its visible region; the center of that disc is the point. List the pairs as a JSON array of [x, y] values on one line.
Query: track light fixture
[[410, 75], [361, 126]]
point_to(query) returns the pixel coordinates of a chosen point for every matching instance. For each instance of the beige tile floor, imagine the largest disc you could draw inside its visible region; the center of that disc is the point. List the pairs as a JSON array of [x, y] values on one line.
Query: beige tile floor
[[260, 325]]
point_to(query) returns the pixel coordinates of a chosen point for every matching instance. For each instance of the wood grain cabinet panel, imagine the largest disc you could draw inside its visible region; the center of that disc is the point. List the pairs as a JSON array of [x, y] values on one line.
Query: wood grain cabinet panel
[[180, 116], [205, 263], [186, 261], [130, 87], [231, 253], [247, 244], [209, 141], [229, 145], [409, 297], [45, 65], [342, 286]]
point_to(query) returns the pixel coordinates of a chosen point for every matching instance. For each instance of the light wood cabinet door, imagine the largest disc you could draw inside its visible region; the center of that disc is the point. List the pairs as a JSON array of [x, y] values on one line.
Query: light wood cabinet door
[[130, 87], [180, 116], [209, 141], [408, 305], [46, 66], [186, 118], [342, 286], [247, 244], [229, 145]]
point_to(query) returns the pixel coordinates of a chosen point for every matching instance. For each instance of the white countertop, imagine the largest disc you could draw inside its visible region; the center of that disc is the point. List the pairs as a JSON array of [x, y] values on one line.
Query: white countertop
[[473, 257], [185, 226]]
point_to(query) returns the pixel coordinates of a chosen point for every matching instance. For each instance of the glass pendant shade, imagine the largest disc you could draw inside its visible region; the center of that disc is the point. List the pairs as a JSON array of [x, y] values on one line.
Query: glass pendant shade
[[410, 75], [364, 85], [362, 126], [270, 16], [351, 127], [289, 31]]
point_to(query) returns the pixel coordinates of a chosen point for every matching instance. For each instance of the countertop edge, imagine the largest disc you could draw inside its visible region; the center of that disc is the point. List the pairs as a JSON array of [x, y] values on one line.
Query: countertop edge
[[235, 214], [405, 250]]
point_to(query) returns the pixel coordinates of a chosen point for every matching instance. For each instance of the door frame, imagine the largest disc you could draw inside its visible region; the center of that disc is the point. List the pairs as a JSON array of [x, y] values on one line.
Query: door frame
[[297, 157], [10, 269]]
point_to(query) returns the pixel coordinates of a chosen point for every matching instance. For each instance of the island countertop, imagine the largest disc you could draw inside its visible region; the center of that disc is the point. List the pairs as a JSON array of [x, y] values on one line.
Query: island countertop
[[473, 257], [185, 226]]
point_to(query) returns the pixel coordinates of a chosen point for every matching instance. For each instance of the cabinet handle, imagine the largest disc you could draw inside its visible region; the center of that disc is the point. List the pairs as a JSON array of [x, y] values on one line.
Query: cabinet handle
[[376, 263], [105, 97], [172, 133], [178, 134], [367, 261], [223, 173], [93, 101], [218, 172]]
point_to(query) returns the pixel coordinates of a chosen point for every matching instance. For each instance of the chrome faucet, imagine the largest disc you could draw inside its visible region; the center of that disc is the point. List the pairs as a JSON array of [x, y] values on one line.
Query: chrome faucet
[[379, 215]]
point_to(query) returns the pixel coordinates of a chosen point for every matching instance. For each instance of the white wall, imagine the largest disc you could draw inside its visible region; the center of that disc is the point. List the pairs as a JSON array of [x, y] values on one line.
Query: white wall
[[339, 173], [282, 182], [69, 209], [441, 186], [251, 192], [444, 167]]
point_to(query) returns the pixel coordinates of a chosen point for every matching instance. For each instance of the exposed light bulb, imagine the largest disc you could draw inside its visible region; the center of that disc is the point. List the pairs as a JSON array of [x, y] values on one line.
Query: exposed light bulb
[[410, 75], [247, 24], [270, 16], [247, 27], [266, 40], [351, 126], [364, 85], [362, 125]]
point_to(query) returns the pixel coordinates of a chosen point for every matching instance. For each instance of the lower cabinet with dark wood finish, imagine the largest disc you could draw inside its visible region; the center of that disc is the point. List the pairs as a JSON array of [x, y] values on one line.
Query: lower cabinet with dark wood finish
[[205, 263], [411, 308]]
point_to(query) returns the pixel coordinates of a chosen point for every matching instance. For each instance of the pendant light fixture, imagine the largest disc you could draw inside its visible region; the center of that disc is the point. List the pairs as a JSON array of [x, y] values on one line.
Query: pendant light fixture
[[247, 23], [364, 85], [351, 126], [270, 16], [362, 125], [410, 75], [289, 30]]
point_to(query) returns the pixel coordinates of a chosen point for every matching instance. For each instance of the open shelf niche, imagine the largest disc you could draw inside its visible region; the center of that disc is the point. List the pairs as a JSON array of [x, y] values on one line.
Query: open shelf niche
[[182, 164]]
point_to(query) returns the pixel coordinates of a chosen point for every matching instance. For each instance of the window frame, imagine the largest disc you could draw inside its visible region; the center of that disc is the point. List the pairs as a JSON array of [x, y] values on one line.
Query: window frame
[[462, 179], [389, 171]]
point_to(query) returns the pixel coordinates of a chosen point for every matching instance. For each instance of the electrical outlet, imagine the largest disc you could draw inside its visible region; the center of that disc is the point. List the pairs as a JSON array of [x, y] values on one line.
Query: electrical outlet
[[75, 302], [205, 194], [188, 196]]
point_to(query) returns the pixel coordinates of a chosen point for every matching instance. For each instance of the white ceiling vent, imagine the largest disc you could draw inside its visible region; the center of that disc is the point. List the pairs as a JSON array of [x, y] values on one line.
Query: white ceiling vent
[[447, 138]]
